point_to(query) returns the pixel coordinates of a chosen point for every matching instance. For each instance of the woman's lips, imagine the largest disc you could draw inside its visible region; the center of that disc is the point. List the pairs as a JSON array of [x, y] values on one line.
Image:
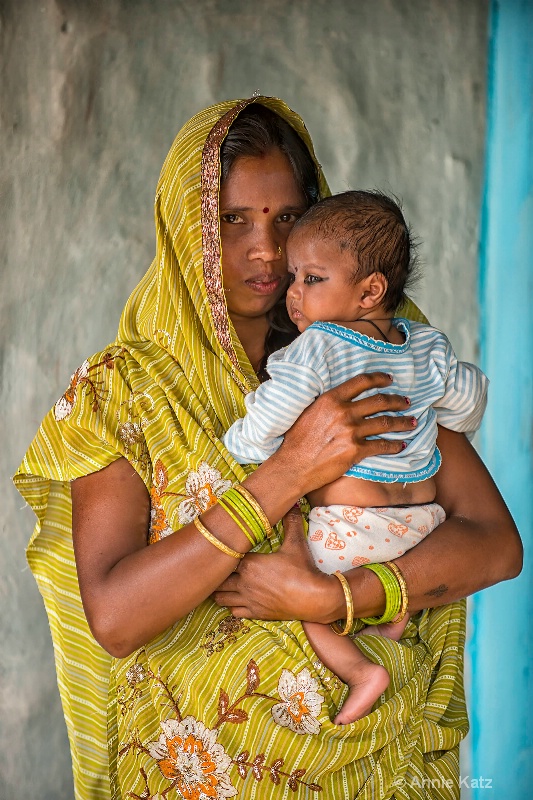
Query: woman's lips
[[266, 285]]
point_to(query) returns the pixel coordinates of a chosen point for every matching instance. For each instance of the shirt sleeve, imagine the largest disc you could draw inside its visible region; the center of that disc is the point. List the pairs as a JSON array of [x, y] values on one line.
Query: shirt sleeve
[[297, 377], [463, 403]]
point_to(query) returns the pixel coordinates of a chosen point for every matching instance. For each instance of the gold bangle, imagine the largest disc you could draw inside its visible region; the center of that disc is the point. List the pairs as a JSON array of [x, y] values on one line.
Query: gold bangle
[[216, 542], [257, 508], [349, 607], [403, 589]]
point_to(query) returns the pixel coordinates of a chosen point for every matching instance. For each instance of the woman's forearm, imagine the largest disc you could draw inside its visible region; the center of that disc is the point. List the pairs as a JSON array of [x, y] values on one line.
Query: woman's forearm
[[444, 567], [478, 545], [132, 592]]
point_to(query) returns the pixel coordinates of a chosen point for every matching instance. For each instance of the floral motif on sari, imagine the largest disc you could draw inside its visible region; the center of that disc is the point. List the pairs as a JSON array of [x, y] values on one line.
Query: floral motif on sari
[[227, 631], [300, 704], [202, 490], [187, 753], [191, 758], [130, 431], [83, 377]]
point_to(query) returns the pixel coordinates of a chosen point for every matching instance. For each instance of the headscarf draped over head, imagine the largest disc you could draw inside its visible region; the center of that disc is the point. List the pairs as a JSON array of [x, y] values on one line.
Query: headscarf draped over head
[[214, 705]]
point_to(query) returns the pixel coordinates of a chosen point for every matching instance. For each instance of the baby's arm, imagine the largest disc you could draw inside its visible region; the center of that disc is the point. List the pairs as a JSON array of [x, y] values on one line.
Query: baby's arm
[[462, 406], [276, 405]]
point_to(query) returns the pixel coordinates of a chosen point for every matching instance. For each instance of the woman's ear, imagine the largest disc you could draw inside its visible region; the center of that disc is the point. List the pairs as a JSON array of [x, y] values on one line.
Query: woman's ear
[[373, 289]]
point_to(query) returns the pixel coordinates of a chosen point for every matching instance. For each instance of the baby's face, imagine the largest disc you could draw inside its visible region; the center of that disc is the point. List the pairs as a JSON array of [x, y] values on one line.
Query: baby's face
[[322, 286]]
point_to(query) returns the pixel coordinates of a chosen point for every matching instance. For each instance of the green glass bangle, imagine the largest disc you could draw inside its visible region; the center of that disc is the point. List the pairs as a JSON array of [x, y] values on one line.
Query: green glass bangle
[[242, 508], [257, 509], [236, 501], [227, 508], [393, 595], [247, 512]]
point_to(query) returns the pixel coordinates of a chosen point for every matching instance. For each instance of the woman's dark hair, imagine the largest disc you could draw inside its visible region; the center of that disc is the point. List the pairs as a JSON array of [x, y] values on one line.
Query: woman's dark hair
[[256, 131]]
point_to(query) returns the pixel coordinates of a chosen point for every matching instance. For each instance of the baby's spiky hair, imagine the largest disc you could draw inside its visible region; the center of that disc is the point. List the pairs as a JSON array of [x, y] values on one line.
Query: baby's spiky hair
[[372, 227]]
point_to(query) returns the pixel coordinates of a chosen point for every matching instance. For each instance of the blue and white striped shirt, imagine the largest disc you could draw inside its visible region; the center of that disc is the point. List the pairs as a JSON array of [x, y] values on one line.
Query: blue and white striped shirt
[[424, 368]]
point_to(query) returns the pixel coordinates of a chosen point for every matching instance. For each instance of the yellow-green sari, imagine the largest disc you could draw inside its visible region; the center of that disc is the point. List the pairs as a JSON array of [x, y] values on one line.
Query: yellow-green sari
[[214, 707]]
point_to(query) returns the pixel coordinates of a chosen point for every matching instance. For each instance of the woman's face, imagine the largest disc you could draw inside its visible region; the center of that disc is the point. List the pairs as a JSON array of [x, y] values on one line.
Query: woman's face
[[259, 203]]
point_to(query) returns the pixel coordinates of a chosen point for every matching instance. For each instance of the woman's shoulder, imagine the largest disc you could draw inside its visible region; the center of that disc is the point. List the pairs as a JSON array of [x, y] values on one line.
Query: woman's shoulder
[[90, 380], [81, 432]]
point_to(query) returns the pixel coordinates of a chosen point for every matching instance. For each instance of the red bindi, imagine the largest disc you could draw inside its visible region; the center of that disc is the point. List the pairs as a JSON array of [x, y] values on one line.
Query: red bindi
[[266, 210]]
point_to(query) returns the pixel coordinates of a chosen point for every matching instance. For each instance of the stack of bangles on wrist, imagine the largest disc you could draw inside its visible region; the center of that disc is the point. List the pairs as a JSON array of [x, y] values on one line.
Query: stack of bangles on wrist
[[246, 512], [396, 597]]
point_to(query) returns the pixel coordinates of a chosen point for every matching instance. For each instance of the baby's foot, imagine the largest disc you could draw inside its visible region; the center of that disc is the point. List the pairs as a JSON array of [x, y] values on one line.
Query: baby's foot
[[367, 684], [392, 630]]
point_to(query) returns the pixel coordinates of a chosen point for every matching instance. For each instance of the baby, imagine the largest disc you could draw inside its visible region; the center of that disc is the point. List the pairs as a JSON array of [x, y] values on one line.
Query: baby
[[350, 257]]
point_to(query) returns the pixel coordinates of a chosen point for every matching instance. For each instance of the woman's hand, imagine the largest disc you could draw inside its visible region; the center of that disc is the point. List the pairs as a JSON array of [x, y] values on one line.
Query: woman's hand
[[477, 546], [332, 434], [281, 585]]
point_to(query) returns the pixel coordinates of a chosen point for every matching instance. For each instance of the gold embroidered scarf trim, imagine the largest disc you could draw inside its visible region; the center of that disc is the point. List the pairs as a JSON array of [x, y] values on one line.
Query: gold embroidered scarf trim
[[210, 181]]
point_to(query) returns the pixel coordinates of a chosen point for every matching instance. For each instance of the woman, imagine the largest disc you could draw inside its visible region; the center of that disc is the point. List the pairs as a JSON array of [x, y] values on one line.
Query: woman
[[202, 703]]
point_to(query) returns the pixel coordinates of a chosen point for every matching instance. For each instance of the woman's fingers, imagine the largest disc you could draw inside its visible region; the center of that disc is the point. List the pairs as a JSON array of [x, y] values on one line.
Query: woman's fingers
[[355, 386], [382, 424], [340, 429]]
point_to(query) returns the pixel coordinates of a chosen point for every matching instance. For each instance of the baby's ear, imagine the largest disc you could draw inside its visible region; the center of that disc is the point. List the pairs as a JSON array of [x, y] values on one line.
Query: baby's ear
[[373, 290]]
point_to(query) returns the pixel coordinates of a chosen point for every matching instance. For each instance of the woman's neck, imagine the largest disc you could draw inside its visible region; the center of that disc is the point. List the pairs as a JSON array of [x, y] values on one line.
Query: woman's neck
[[252, 333]]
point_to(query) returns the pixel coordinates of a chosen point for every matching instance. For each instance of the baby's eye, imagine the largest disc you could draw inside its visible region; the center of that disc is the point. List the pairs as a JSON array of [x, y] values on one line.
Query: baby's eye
[[310, 279], [231, 218], [291, 278]]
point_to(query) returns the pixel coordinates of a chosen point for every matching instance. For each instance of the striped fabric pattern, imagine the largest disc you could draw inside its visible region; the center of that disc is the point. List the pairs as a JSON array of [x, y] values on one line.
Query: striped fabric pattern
[[424, 368], [214, 706]]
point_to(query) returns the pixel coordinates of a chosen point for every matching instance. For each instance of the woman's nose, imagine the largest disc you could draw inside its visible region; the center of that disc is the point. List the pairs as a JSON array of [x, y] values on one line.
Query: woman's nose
[[265, 245]]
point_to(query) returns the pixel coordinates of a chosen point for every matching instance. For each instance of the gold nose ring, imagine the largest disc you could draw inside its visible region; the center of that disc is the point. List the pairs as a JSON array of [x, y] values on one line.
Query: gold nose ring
[[279, 250]]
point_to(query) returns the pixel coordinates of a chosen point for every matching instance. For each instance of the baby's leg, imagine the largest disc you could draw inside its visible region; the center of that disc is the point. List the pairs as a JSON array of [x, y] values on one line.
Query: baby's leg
[[367, 681]]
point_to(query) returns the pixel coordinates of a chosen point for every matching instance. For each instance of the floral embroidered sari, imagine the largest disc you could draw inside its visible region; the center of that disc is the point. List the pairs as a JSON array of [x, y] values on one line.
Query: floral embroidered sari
[[215, 706]]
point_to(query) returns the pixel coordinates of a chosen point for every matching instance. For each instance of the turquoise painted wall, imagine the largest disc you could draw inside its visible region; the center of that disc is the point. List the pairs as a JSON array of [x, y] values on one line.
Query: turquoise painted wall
[[502, 643]]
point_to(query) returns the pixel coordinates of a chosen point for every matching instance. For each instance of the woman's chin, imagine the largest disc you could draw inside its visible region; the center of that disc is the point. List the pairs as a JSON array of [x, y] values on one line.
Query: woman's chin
[[253, 305]]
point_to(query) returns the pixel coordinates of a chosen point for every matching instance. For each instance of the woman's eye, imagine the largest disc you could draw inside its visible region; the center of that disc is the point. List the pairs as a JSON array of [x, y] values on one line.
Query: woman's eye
[[310, 279], [288, 217], [231, 218]]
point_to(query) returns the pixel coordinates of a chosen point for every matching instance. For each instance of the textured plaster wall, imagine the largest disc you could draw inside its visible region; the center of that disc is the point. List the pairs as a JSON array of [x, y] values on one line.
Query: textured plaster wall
[[91, 96]]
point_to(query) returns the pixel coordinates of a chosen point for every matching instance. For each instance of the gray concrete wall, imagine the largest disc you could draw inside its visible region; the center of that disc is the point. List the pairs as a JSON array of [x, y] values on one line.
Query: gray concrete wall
[[91, 96]]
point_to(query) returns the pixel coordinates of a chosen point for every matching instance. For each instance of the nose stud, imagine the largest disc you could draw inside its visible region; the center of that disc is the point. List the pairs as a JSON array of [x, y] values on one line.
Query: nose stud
[[279, 250]]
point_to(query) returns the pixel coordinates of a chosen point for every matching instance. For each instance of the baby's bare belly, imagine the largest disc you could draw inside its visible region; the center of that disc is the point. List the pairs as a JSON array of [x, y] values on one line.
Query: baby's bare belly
[[368, 494]]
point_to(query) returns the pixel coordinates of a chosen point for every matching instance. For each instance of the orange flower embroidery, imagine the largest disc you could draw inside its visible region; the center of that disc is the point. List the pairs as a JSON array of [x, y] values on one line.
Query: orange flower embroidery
[[203, 488], [189, 755], [300, 704], [65, 404], [159, 527]]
